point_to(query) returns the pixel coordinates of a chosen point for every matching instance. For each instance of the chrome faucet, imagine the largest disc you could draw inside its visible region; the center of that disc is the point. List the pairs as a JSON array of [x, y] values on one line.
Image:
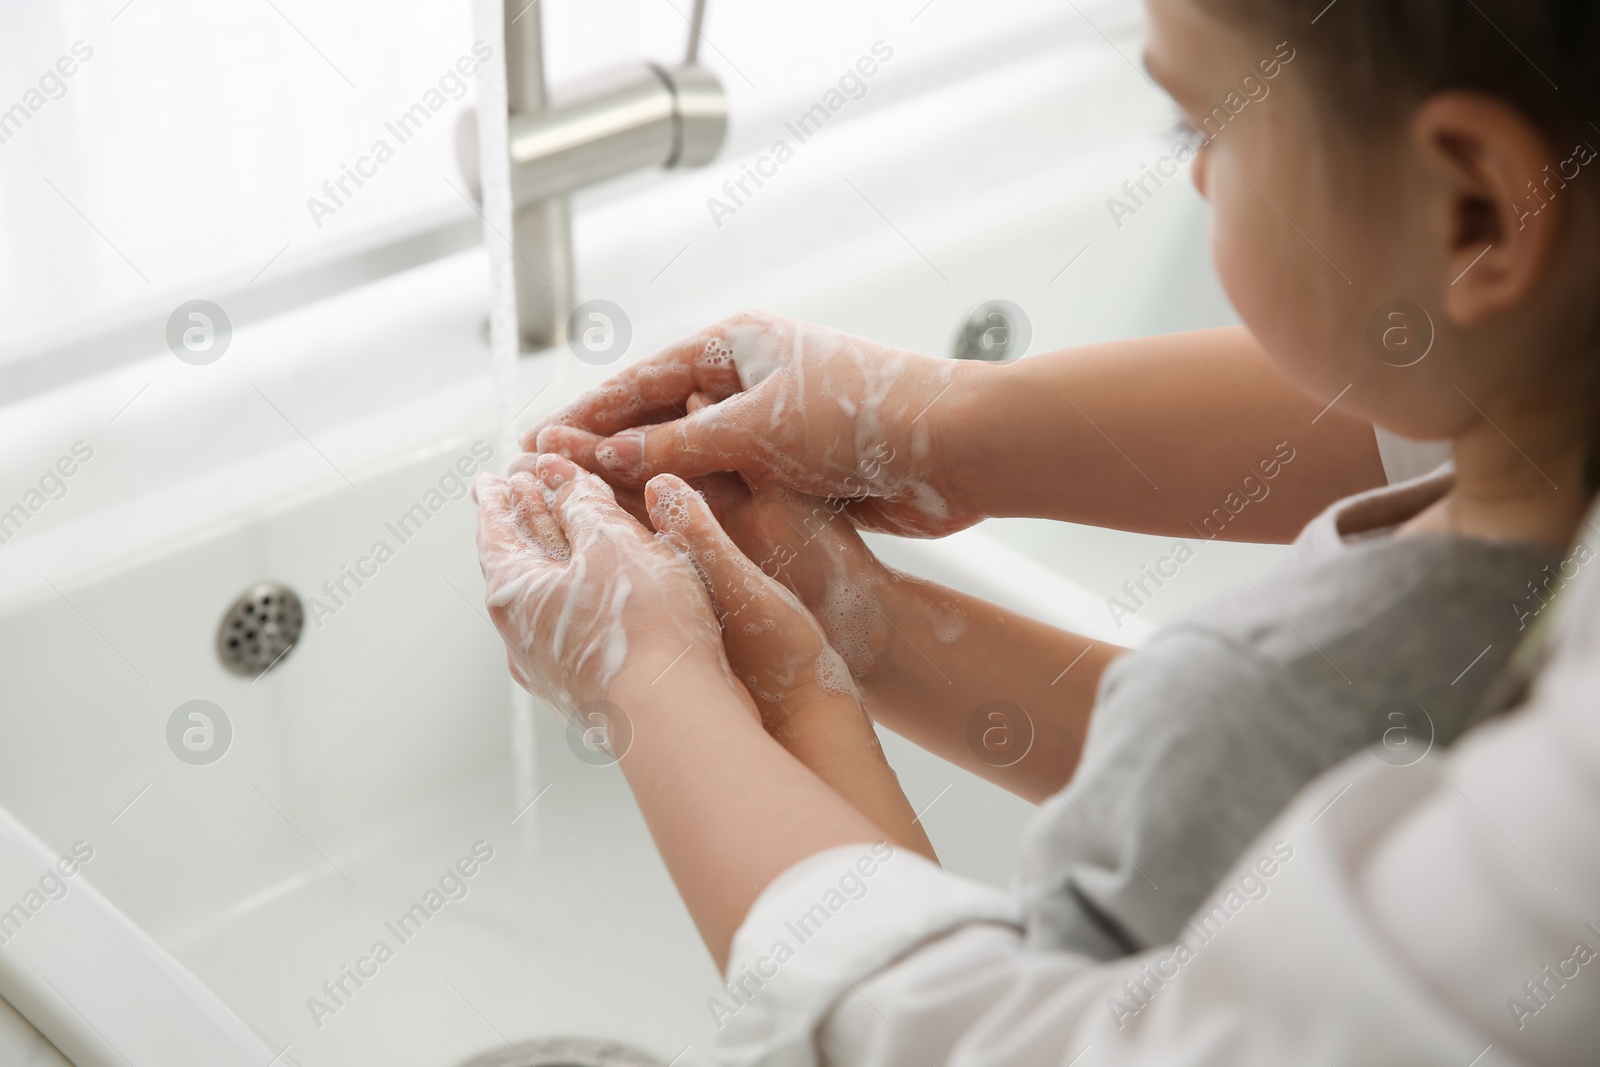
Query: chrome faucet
[[625, 119]]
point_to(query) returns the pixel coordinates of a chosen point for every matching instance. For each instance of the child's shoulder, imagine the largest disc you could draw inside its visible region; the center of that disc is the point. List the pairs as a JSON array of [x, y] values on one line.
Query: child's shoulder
[[1429, 621]]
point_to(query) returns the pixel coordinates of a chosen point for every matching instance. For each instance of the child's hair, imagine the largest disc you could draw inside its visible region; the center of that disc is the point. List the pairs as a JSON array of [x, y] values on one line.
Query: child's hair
[[1370, 57]]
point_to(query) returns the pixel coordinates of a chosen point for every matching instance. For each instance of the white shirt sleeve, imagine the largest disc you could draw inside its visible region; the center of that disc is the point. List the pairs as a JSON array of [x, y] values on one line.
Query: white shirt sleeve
[[829, 921], [1390, 915]]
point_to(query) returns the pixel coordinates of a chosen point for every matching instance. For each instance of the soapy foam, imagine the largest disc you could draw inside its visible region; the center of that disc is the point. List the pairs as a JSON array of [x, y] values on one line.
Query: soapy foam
[[829, 670], [718, 355], [798, 365], [846, 618], [671, 511], [792, 366], [867, 382], [614, 650], [510, 591], [564, 620], [833, 675], [752, 349]]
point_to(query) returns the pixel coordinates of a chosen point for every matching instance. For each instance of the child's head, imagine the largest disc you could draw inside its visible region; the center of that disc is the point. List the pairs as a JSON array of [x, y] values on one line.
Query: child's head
[[1433, 152]]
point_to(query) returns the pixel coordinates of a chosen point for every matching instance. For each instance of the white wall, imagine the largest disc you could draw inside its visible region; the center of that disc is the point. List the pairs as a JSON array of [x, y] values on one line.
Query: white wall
[[180, 156]]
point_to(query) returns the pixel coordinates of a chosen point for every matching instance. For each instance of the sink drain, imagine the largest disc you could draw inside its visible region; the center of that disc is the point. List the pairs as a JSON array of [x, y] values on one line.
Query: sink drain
[[259, 629], [565, 1052]]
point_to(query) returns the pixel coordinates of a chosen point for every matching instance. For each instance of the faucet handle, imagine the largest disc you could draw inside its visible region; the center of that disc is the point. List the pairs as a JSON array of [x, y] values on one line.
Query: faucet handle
[[700, 107], [699, 113], [691, 55]]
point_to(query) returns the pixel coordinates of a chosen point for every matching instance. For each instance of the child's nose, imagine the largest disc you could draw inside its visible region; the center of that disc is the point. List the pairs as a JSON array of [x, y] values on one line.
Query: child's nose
[[1198, 170]]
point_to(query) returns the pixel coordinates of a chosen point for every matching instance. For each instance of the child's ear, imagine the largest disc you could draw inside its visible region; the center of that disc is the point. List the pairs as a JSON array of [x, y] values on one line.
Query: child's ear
[[1499, 201]]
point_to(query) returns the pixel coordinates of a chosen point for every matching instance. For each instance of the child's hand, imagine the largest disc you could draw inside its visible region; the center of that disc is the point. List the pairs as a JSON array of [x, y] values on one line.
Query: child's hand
[[795, 404], [774, 645], [802, 687], [581, 593], [810, 545]]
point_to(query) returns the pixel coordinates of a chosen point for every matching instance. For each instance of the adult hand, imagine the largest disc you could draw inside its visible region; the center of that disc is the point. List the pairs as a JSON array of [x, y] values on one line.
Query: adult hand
[[803, 406], [582, 594]]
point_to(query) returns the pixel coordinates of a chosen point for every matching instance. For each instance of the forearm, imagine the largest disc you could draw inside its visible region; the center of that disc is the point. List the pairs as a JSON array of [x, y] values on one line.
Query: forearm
[[1150, 435], [1009, 699], [833, 738], [728, 808]]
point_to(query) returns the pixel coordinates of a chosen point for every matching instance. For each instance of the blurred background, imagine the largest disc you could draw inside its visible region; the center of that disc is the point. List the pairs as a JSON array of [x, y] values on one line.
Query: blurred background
[[194, 135]]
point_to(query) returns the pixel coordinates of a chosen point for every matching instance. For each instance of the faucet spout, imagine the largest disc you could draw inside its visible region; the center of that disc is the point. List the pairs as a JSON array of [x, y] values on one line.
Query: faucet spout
[[623, 120], [541, 230]]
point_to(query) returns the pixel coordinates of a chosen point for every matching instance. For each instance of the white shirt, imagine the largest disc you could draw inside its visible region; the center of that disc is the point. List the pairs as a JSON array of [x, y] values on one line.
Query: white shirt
[[1442, 913]]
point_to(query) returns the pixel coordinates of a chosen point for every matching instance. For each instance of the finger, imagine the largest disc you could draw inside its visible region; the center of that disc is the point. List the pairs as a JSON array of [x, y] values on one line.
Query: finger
[[767, 523], [650, 390], [716, 369], [583, 504], [506, 552], [725, 493], [738, 510], [520, 501], [686, 520], [556, 473], [500, 534], [696, 402], [658, 388], [484, 486], [497, 528], [534, 512], [632, 501], [708, 441], [572, 443]]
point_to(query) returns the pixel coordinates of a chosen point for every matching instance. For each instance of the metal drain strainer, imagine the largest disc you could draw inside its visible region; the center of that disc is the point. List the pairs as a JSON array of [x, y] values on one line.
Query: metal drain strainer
[[565, 1052], [259, 629]]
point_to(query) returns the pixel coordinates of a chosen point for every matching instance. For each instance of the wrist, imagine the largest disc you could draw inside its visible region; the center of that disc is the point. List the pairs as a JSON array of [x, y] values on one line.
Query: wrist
[[652, 672], [685, 716], [808, 705], [960, 430], [867, 635], [821, 724], [901, 605]]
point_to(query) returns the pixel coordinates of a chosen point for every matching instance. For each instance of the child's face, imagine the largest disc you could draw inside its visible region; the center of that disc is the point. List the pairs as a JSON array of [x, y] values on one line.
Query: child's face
[[1310, 231]]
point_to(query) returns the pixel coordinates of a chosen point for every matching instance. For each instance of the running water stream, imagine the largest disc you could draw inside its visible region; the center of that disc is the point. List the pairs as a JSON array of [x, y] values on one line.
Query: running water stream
[[504, 356]]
